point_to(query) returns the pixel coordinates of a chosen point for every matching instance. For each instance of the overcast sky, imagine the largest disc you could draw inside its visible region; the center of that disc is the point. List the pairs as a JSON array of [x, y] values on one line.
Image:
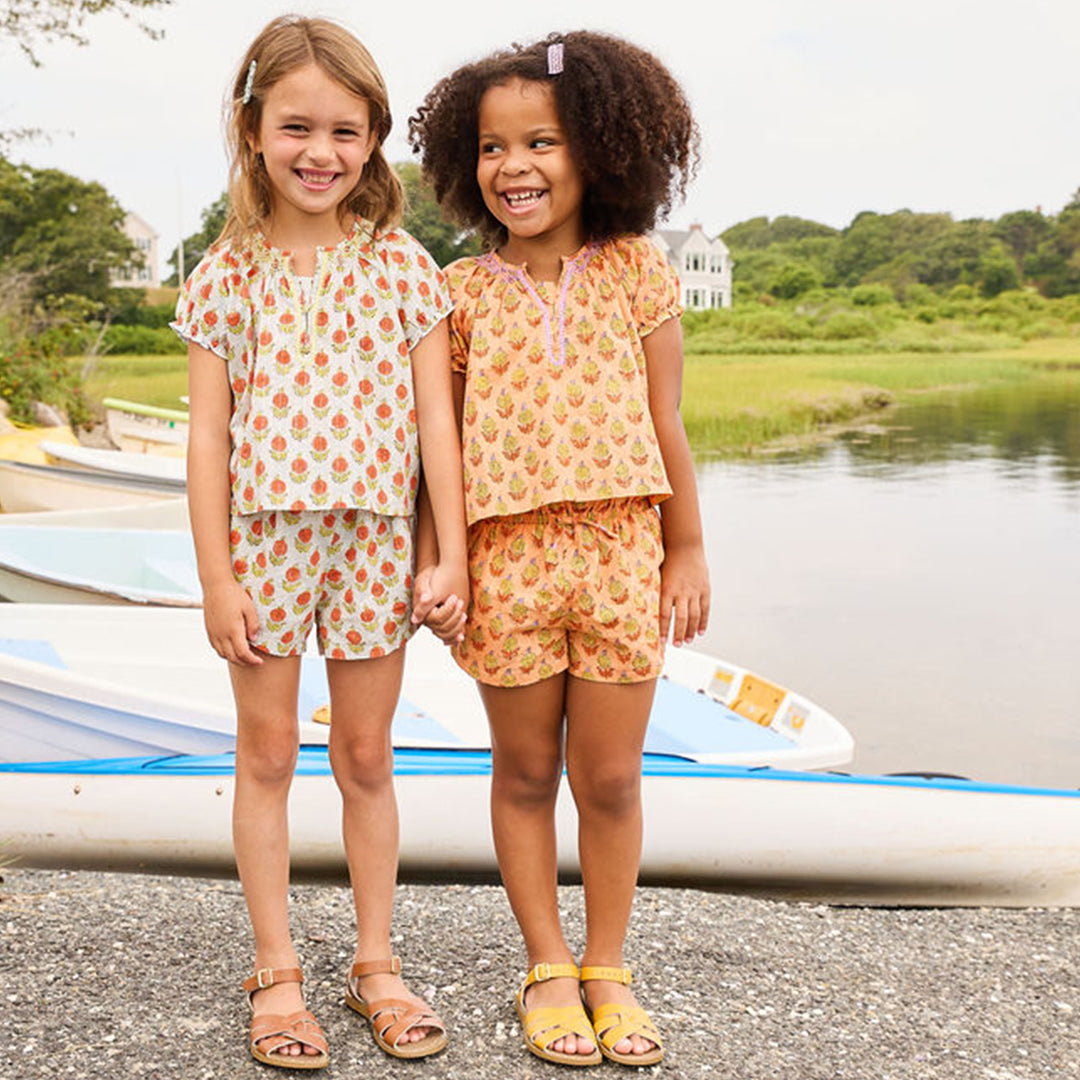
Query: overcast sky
[[816, 109]]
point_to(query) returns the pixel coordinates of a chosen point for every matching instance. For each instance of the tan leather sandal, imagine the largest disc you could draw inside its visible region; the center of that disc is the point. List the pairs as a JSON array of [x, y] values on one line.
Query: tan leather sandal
[[392, 1019], [613, 1023], [547, 1024], [280, 1031]]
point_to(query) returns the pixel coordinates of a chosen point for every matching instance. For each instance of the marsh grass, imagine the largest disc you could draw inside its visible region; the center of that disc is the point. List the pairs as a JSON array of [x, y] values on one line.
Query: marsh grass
[[737, 404]]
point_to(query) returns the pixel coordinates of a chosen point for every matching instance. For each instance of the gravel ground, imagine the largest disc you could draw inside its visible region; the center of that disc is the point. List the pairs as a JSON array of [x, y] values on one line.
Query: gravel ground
[[114, 975]]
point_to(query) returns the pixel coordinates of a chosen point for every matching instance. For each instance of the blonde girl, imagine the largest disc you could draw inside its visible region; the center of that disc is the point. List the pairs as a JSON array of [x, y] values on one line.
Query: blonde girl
[[318, 358], [585, 545]]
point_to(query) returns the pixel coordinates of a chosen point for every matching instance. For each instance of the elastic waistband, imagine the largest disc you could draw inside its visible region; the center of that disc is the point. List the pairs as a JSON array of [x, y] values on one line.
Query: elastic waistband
[[604, 515]]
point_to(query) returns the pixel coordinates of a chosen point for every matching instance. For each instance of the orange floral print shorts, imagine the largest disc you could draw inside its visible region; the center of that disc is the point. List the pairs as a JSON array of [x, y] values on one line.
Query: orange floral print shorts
[[568, 587], [348, 572]]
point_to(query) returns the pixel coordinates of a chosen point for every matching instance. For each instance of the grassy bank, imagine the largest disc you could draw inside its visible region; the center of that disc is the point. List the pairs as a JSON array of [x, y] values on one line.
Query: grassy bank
[[152, 380], [738, 404], [732, 403]]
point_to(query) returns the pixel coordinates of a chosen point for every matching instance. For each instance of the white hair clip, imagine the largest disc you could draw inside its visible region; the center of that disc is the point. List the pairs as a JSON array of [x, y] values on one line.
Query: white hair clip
[[248, 84], [555, 58]]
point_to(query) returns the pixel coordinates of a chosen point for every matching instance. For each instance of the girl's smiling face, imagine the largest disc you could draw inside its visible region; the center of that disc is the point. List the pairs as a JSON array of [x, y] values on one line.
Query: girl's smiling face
[[315, 138], [527, 175]]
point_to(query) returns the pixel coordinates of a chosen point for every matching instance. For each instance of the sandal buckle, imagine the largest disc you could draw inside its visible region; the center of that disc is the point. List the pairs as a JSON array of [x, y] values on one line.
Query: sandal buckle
[[542, 972], [266, 974]]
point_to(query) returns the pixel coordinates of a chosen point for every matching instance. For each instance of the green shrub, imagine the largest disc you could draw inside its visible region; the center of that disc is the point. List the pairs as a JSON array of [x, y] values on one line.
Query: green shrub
[[794, 279], [774, 325], [32, 369], [141, 340], [845, 325], [872, 295]]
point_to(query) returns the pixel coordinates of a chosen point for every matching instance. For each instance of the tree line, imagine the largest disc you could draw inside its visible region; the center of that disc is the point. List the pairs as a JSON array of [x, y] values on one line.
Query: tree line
[[789, 256]]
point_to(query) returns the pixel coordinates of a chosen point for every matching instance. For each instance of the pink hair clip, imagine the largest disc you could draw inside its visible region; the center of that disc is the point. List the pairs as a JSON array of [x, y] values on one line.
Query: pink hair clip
[[555, 58]]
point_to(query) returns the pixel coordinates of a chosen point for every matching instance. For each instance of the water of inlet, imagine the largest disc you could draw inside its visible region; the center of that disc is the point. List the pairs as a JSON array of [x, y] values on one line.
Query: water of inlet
[[920, 579]]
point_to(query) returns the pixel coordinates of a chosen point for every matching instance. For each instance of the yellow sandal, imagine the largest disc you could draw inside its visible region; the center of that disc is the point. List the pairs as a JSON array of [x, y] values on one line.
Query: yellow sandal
[[299, 1027], [612, 1023], [549, 1023]]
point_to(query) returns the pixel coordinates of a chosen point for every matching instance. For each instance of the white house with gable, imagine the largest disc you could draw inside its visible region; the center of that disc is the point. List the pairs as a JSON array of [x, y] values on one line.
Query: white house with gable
[[703, 266], [145, 275]]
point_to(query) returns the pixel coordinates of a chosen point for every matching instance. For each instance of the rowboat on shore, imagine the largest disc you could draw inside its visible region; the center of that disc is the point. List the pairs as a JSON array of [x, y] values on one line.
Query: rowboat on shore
[[166, 472], [26, 488], [80, 681], [144, 429], [68, 564], [823, 837], [170, 513], [24, 443]]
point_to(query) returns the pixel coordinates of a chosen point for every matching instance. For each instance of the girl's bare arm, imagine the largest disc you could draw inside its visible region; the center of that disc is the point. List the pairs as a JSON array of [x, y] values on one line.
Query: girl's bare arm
[[443, 497], [228, 611], [684, 588]]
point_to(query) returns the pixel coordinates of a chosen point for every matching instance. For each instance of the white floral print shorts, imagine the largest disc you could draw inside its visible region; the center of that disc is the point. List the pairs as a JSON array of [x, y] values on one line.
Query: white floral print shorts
[[347, 572]]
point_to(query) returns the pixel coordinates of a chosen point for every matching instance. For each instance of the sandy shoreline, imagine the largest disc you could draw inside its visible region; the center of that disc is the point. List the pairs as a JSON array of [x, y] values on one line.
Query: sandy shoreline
[[129, 975]]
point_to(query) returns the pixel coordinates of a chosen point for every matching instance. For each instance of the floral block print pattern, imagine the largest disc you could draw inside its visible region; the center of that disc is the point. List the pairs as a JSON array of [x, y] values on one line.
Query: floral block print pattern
[[348, 572], [557, 397], [323, 413], [570, 587]]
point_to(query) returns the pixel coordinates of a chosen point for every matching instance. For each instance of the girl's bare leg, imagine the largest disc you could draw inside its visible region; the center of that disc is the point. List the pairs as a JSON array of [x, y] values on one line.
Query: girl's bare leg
[[266, 746], [363, 695], [527, 760], [605, 732]]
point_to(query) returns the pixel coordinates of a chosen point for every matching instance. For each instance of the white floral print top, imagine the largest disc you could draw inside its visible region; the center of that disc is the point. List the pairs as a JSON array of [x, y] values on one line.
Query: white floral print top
[[323, 414]]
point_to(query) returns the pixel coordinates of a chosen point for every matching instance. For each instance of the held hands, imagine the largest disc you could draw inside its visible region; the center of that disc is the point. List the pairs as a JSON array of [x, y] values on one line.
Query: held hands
[[440, 601], [684, 594], [231, 621]]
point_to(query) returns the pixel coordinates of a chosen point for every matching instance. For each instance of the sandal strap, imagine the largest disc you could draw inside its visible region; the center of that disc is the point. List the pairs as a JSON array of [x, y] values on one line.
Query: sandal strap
[[607, 974], [613, 1023], [265, 977], [543, 972], [393, 1018], [298, 1027], [376, 967], [549, 1023]]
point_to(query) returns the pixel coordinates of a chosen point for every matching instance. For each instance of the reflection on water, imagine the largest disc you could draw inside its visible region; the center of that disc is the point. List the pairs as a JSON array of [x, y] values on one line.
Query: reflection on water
[[920, 580]]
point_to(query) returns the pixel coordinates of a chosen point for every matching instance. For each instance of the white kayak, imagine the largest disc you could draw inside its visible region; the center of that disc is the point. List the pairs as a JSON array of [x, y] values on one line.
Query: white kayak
[[83, 681], [793, 835], [68, 564], [29, 488]]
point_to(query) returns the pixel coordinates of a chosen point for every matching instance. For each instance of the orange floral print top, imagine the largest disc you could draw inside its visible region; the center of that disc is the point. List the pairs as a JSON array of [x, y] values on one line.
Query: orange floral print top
[[556, 394], [323, 414]]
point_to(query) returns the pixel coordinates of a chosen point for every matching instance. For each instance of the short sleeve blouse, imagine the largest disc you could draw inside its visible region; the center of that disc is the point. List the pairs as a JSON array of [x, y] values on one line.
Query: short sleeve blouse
[[556, 391], [323, 414]]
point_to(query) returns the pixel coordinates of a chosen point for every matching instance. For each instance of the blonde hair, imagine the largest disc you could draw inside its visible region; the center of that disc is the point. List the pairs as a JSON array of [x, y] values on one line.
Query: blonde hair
[[284, 45]]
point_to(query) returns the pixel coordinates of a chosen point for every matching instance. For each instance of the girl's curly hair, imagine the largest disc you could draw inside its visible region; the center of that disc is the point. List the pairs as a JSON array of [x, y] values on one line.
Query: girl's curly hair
[[627, 120]]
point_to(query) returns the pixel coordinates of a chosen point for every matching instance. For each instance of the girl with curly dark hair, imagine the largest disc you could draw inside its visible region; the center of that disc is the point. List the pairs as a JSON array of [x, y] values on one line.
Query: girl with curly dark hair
[[585, 545]]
